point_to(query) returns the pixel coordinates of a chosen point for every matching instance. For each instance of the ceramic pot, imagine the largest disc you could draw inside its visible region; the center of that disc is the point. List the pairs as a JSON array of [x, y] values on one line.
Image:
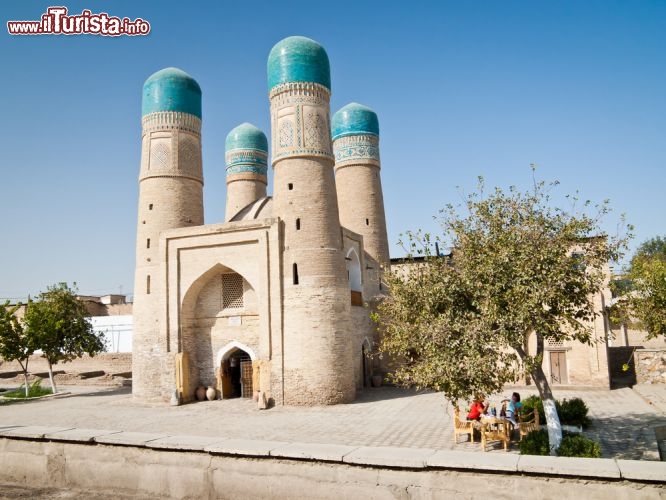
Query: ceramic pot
[[376, 381], [200, 393], [211, 393]]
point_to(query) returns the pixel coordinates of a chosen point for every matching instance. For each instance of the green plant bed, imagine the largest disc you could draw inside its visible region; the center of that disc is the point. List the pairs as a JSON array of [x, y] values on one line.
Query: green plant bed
[[571, 411], [34, 391], [535, 443], [572, 445], [575, 445]]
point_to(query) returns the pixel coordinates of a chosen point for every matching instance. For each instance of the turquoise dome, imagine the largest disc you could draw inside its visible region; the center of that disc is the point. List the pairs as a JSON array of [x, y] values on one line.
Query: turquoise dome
[[246, 151], [354, 119], [171, 89], [298, 59], [246, 136]]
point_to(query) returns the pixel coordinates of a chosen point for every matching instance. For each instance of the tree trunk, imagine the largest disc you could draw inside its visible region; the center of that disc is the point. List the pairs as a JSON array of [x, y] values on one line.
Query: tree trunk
[[549, 409], [25, 376], [53, 386]]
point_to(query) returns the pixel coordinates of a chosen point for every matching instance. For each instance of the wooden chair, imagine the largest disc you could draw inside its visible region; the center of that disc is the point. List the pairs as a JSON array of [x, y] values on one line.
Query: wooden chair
[[495, 429], [529, 421], [461, 426]]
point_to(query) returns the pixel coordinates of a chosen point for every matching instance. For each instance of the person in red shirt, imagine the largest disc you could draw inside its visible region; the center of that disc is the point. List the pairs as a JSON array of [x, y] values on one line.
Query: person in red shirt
[[477, 409]]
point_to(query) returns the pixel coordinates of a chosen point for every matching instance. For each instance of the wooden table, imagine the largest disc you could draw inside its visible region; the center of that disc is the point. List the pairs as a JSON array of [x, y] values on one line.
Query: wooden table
[[495, 429]]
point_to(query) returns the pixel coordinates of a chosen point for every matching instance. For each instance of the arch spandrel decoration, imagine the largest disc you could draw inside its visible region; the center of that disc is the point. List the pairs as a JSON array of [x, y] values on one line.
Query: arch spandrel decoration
[[232, 346], [190, 297]]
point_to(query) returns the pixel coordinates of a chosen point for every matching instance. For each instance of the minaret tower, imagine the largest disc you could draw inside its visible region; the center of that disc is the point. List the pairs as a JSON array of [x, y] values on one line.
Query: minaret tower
[[357, 177], [317, 338], [246, 158], [170, 196]]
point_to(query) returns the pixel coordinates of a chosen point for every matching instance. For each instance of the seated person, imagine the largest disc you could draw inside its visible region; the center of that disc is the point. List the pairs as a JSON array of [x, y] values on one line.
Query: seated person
[[477, 409], [513, 407]]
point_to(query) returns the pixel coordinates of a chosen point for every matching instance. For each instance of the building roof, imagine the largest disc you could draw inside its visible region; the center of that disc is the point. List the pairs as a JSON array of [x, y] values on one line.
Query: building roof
[[246, 136], [354, 119], [171, 89], [258, 209], [298, 59]]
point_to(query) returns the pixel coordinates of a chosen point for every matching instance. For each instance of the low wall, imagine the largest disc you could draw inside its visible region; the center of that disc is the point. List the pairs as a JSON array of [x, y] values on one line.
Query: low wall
[[193, 468], [109, 362], [650, 366]]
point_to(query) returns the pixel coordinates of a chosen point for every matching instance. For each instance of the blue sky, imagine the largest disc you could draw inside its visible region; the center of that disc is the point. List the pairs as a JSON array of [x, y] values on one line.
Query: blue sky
[[461, 89]]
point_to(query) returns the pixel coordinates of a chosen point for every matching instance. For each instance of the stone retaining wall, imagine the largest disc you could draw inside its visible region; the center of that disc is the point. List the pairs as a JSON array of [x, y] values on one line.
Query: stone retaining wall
[[192, 467], [650, 366], [109, 362]]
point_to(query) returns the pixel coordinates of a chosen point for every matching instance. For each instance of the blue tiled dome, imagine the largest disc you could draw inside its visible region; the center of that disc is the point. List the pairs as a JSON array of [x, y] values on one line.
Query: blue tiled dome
[[354, 119], [246, 150], [171, 89], [246, 136], [298, 59]]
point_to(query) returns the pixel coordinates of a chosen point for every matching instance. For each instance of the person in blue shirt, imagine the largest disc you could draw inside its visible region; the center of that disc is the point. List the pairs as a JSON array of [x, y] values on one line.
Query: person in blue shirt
[[512, 408]]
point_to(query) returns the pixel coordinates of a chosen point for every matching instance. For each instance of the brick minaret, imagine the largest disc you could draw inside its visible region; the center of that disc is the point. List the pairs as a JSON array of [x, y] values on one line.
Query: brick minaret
[[170, 196], [317, 341], [246, 158], [357, 177]]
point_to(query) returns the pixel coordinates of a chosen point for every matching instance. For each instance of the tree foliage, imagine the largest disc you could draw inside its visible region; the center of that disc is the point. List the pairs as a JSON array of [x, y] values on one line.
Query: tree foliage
[[518, 267], [57, 322], [642, 300], [15, 343]]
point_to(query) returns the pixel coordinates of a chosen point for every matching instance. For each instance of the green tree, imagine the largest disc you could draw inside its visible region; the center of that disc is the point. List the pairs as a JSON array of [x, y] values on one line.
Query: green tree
[[57, 322], [644, 300], [518, 267], [15, 343]]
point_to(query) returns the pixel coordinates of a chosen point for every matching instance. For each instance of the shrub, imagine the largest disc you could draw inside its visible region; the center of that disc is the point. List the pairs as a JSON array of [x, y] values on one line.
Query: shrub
[[531, 403], [34, 391], [575, 445], [535, 443], [573, 412]]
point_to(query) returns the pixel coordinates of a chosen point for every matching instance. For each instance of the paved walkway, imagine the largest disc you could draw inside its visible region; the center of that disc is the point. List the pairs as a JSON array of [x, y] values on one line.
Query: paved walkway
[[622, 420]]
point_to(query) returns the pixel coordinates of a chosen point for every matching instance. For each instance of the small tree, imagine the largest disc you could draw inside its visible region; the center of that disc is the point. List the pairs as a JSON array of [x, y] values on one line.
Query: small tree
[[58, 323], [643, 298], [15, 343], [518, 267]]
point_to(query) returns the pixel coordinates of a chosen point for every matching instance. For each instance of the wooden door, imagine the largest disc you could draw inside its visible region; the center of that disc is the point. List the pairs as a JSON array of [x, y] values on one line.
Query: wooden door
[[246, 378], [558, 367]]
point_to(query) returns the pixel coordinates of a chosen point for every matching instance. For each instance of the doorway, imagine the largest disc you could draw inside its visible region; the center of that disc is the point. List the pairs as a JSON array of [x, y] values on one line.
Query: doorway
[[558, 367], [237, 375]]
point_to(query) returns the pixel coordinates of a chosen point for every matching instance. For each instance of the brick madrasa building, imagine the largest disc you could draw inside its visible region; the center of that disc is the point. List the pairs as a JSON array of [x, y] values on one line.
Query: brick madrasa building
[[270, 300]]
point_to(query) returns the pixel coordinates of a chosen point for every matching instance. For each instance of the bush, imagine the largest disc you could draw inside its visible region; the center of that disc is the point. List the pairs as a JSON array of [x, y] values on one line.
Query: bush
[[573, 412], [34, 391], [535, 443], [575, 445], [530, 404]]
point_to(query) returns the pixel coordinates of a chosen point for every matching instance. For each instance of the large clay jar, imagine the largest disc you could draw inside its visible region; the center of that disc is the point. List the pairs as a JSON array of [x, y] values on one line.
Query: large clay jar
[[211, 393], [376, 381], [200, 393]]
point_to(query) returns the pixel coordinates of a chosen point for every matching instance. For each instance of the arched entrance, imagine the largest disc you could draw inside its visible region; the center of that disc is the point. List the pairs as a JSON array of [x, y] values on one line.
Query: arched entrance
[[219, 311], [237, 372]]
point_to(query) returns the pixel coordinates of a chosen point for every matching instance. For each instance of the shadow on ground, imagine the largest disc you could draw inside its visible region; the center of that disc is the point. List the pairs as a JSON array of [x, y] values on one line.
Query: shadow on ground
[[631, 436], [385, 393]]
